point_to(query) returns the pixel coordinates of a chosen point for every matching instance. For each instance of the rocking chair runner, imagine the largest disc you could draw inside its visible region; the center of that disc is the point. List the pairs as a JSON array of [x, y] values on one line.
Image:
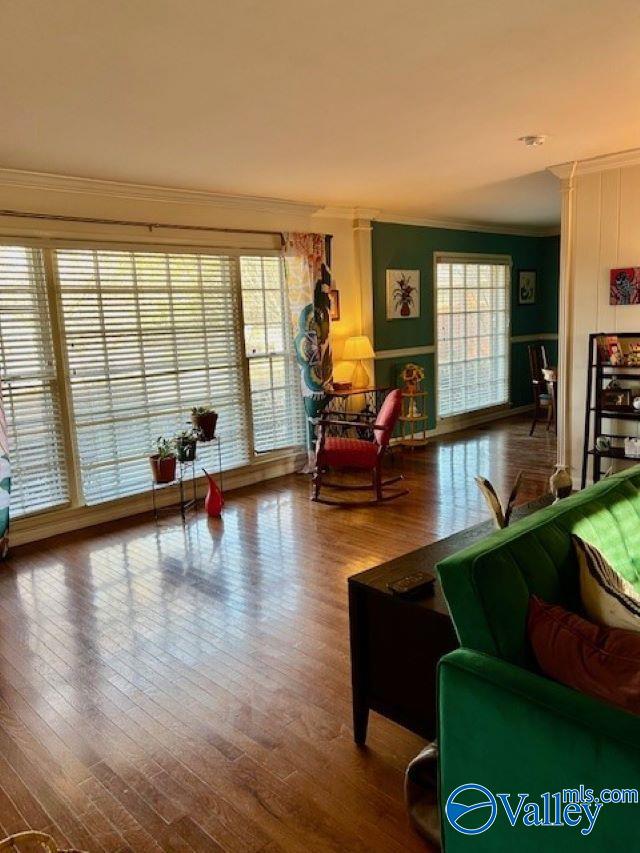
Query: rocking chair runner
[[340, 453]]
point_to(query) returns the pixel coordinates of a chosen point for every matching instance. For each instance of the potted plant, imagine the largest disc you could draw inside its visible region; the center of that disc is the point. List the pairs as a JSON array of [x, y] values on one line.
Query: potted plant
[[204, 420], [403, 295], [163, 462], [186, 445]]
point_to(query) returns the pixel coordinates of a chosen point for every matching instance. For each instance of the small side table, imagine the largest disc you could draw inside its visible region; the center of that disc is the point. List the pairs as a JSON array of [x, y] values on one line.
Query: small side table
[[413, 422]]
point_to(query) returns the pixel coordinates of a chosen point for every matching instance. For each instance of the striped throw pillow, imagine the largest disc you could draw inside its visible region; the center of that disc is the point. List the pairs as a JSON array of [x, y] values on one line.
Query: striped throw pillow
[[606, 596]]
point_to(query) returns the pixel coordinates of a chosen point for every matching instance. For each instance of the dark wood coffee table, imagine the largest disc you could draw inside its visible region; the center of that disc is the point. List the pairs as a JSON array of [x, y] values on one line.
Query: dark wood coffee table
[[396, 642]]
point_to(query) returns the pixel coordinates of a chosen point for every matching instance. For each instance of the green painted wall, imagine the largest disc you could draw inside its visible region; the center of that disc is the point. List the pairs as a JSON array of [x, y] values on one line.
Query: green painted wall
[[412, 247]]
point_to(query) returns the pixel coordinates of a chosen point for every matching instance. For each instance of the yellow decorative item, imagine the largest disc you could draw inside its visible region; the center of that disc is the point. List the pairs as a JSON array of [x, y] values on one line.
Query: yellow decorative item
[[412, 376], [356, 349]]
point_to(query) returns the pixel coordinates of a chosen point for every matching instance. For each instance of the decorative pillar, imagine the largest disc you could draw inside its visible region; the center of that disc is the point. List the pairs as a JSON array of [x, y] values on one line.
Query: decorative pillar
[[564, 320]]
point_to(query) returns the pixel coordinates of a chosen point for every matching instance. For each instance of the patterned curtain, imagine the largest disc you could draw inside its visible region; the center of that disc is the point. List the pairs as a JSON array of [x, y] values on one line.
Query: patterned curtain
[[5, 483], [308, 283]]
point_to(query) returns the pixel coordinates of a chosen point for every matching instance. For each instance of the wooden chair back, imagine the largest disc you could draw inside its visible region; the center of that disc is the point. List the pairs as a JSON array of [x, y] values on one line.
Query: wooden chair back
[[537, 361]]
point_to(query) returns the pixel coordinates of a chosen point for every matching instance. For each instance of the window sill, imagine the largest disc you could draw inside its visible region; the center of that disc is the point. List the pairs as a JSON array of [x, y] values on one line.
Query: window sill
[[42, 525]]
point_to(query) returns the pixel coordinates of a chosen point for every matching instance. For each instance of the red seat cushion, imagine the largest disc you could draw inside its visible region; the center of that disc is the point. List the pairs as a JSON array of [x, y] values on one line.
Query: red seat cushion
[[602, 662], [348, 453]]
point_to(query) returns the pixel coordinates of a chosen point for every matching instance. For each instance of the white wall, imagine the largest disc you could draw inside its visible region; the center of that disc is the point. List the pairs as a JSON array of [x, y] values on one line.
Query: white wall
[[603, 233]]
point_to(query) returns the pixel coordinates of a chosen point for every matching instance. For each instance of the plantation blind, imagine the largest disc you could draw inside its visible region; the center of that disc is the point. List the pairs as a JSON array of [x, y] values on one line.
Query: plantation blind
[[276, 401], [148, 335], [29, 386], [472, 307]]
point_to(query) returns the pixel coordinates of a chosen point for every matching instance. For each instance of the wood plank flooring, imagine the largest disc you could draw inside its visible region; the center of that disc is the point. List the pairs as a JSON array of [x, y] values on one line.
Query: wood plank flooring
[[187, 688]]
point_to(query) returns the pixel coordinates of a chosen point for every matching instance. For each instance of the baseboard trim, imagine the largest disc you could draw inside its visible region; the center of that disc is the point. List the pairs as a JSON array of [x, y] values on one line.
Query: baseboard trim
[[450, 425], [44, 525]]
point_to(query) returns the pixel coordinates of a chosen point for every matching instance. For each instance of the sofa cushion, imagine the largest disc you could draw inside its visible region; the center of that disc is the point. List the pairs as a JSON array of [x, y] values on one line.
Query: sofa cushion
[[607, 598], [599, 661], [487, 586], [348, 453]]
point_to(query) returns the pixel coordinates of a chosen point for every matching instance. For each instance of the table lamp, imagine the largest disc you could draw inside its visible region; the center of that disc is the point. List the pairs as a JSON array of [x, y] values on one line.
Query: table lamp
[[355, 349]]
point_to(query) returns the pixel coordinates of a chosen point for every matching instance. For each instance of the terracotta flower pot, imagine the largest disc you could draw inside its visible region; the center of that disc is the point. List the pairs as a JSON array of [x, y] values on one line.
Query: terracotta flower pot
[[163, 469], [206, 425]]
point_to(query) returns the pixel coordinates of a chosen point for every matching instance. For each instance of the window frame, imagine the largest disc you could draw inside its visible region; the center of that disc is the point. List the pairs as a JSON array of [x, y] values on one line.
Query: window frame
[[441, 256], [49, 245]]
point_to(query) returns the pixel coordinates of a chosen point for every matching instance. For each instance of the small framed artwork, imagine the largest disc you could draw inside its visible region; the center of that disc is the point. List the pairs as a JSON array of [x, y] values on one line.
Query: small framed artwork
[[403, 294], [334, 303], [615, 398], [526, 287], [624, 286]]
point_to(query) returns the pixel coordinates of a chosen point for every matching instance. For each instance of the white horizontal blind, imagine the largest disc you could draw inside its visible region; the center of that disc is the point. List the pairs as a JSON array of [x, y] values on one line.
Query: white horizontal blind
[[472, 305], [148, 335], [276, 401], [29, 388]]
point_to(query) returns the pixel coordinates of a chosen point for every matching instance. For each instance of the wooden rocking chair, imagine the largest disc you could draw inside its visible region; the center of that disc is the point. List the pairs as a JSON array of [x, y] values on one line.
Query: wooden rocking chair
[[341, 453]]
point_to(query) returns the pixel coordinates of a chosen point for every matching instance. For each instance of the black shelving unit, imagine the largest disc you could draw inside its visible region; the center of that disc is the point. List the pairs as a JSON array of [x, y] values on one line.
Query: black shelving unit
[[599, 374]]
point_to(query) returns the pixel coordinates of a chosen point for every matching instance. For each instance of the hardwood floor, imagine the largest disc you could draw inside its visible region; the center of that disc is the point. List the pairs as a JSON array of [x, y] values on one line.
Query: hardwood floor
[[187, 688]]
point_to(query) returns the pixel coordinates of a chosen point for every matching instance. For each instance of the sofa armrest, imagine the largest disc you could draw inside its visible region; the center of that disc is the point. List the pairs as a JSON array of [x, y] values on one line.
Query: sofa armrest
[[557, 699], [514, 731]]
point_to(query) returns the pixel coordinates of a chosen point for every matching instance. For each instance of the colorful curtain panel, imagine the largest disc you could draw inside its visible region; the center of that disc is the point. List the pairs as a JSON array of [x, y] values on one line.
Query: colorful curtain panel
[[308, 283], [5, 483]]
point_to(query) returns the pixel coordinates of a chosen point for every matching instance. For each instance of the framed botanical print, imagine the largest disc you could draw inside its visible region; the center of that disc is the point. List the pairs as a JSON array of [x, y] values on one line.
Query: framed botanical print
[[526, 287], [403, 294]]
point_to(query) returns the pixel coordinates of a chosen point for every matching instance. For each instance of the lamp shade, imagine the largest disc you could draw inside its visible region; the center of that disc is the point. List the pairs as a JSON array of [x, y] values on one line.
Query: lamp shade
[[357, 348]]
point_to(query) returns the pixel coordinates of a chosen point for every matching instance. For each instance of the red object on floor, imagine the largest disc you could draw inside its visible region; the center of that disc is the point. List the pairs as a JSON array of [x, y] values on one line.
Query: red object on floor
[[214, 500]]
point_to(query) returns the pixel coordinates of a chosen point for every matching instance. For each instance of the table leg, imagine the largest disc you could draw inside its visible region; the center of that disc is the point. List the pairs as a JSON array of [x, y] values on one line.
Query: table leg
[[358, 683]]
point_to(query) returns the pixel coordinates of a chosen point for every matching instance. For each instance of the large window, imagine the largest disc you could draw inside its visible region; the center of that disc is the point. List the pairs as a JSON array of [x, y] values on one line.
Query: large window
[[143, 336], [274, 375], [472, 307], [29, 385]]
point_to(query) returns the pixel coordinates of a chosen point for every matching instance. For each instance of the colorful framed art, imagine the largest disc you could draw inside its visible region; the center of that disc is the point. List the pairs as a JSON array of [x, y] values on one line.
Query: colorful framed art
[[624, 286]]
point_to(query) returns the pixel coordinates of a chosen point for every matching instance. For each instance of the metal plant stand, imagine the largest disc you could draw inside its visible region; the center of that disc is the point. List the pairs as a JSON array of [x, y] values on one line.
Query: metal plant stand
[[186, 482]]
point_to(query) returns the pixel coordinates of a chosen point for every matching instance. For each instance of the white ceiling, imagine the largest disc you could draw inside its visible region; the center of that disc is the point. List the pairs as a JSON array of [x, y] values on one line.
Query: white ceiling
[[411, 106]]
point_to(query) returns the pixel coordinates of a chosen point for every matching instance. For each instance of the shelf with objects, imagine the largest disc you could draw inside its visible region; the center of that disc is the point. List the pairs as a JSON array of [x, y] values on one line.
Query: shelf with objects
[[176, 465], [414, 419], [612, 402]]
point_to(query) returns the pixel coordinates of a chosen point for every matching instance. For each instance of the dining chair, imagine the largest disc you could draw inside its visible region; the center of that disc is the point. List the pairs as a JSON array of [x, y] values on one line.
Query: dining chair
[[544, 409]]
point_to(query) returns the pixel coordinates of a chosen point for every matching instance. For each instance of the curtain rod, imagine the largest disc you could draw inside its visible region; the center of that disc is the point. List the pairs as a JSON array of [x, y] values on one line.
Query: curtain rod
[[21, 214]]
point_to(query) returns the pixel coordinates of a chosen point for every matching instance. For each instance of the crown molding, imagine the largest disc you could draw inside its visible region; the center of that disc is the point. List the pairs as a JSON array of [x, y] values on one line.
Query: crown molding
[[618, 160], [50, 182], [351, 213], [147, 192], [467, 225]]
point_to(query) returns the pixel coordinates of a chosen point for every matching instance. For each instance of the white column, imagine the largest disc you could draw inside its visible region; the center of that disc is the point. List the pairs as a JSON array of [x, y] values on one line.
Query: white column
[[362, 229], [564, 321]]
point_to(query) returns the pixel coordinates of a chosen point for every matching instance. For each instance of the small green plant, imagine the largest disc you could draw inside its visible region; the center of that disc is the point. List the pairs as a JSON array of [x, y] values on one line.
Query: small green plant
[[185, 444], [201, 410], [164, 447]]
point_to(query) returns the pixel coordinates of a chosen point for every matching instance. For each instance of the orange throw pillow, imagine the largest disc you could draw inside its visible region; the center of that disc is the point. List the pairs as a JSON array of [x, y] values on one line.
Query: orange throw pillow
[[599, 661]]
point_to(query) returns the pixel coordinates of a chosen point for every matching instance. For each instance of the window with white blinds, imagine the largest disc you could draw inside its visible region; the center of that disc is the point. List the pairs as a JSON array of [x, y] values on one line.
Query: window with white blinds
[[472, 307], [148, 335], [29, 386], [276, 402]]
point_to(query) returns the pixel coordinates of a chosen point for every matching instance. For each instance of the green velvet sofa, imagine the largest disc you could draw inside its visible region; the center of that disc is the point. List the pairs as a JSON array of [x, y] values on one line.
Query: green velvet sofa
[[509, 729]]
